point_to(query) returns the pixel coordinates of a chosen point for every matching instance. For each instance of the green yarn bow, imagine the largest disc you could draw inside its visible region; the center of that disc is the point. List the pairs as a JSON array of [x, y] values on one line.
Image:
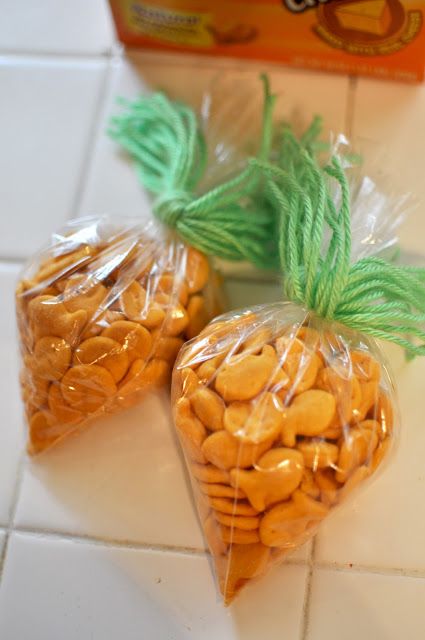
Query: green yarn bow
[[230, 221], [372, 295]]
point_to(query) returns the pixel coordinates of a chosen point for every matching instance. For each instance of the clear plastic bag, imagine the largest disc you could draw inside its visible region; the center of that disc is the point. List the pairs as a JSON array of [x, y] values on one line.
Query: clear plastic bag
[[280, 415], [104, 309], [282, 410], [102, 313]]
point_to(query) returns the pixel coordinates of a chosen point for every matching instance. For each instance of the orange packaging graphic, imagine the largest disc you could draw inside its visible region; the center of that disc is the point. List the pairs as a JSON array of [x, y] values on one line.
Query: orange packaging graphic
[[381, 38]]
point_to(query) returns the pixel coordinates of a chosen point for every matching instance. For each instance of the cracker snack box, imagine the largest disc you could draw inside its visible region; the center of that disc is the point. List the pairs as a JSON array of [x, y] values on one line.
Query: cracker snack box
[[381, 38]]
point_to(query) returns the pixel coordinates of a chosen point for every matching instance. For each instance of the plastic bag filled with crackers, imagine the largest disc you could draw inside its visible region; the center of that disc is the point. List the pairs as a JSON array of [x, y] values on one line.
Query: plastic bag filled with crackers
[[283, 409], [104, 309]]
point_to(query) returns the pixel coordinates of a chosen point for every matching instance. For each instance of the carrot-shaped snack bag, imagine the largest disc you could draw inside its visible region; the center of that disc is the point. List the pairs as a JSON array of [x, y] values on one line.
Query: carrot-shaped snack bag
[[104, 309], [283, 409]]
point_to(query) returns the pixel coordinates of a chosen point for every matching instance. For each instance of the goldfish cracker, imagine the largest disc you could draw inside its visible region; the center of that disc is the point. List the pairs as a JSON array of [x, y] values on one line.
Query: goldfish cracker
[[290, 452], [86, 387], [165, 347], [135, 339], [197, 316], [43, 432], [52, 357], [48, 316], [191, 430], [210, 473], [221, 491], [276, 476], [176, 321], [104, 352], [256, 421], [59, 408], [318, 455], [232, 535], [209, 407], [309, 414], [80, 294], [244, 562], [242, 377], [213, 536], [136, 305], [238, 508], [197, 271], [249, 523], [308, 484], [225, 451]]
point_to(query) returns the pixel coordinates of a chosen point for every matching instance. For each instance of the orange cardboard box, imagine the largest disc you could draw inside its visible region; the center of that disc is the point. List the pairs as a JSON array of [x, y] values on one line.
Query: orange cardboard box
[[380, 38]]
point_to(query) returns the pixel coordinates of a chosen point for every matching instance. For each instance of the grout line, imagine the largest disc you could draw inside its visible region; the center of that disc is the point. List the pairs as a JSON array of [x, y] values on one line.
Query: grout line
[[307, 594], [96, 124], [109, 542], [57, 56], [120, 544], [12, 260], [123, 544], [12, 511], [350, 106], [364, 568]]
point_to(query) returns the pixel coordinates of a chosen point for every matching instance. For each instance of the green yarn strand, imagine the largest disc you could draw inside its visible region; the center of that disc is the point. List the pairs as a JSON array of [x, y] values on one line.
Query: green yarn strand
[[169, 149], [376, 297]]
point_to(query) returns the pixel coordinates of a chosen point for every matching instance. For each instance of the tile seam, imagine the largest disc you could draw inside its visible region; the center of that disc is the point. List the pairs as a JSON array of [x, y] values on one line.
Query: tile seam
[[12, 511], [58, 56], [307, 593], [122, 544], [371, 569]]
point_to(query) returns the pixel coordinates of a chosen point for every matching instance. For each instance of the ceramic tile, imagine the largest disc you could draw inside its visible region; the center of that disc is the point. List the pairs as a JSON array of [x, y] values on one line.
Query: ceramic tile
[[56, 26], [57, 588], [43, 147], [358, 605], [11, 432], [390, 119], [112, 186], [122, 478], [302, 554], [383, 524]]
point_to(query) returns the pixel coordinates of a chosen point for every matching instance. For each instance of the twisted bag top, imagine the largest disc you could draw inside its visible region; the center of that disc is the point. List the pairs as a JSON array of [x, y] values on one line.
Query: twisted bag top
[[231, 221], [372, 295]]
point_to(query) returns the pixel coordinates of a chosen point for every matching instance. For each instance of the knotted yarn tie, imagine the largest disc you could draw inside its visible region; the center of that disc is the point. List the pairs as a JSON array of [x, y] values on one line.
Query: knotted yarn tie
[[171, 206], [372, 295], [230, 221]]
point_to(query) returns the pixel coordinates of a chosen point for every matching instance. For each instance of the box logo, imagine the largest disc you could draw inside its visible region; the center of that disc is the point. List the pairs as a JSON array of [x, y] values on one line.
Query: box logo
[[367, 27]]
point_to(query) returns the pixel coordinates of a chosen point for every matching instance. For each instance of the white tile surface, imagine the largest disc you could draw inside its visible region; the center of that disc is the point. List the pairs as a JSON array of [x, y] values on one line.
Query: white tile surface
[[384, 525], [356, 605], [103, 594], [48, 108], [11, 431], [112, 186], [121, 479], [56, 26]]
